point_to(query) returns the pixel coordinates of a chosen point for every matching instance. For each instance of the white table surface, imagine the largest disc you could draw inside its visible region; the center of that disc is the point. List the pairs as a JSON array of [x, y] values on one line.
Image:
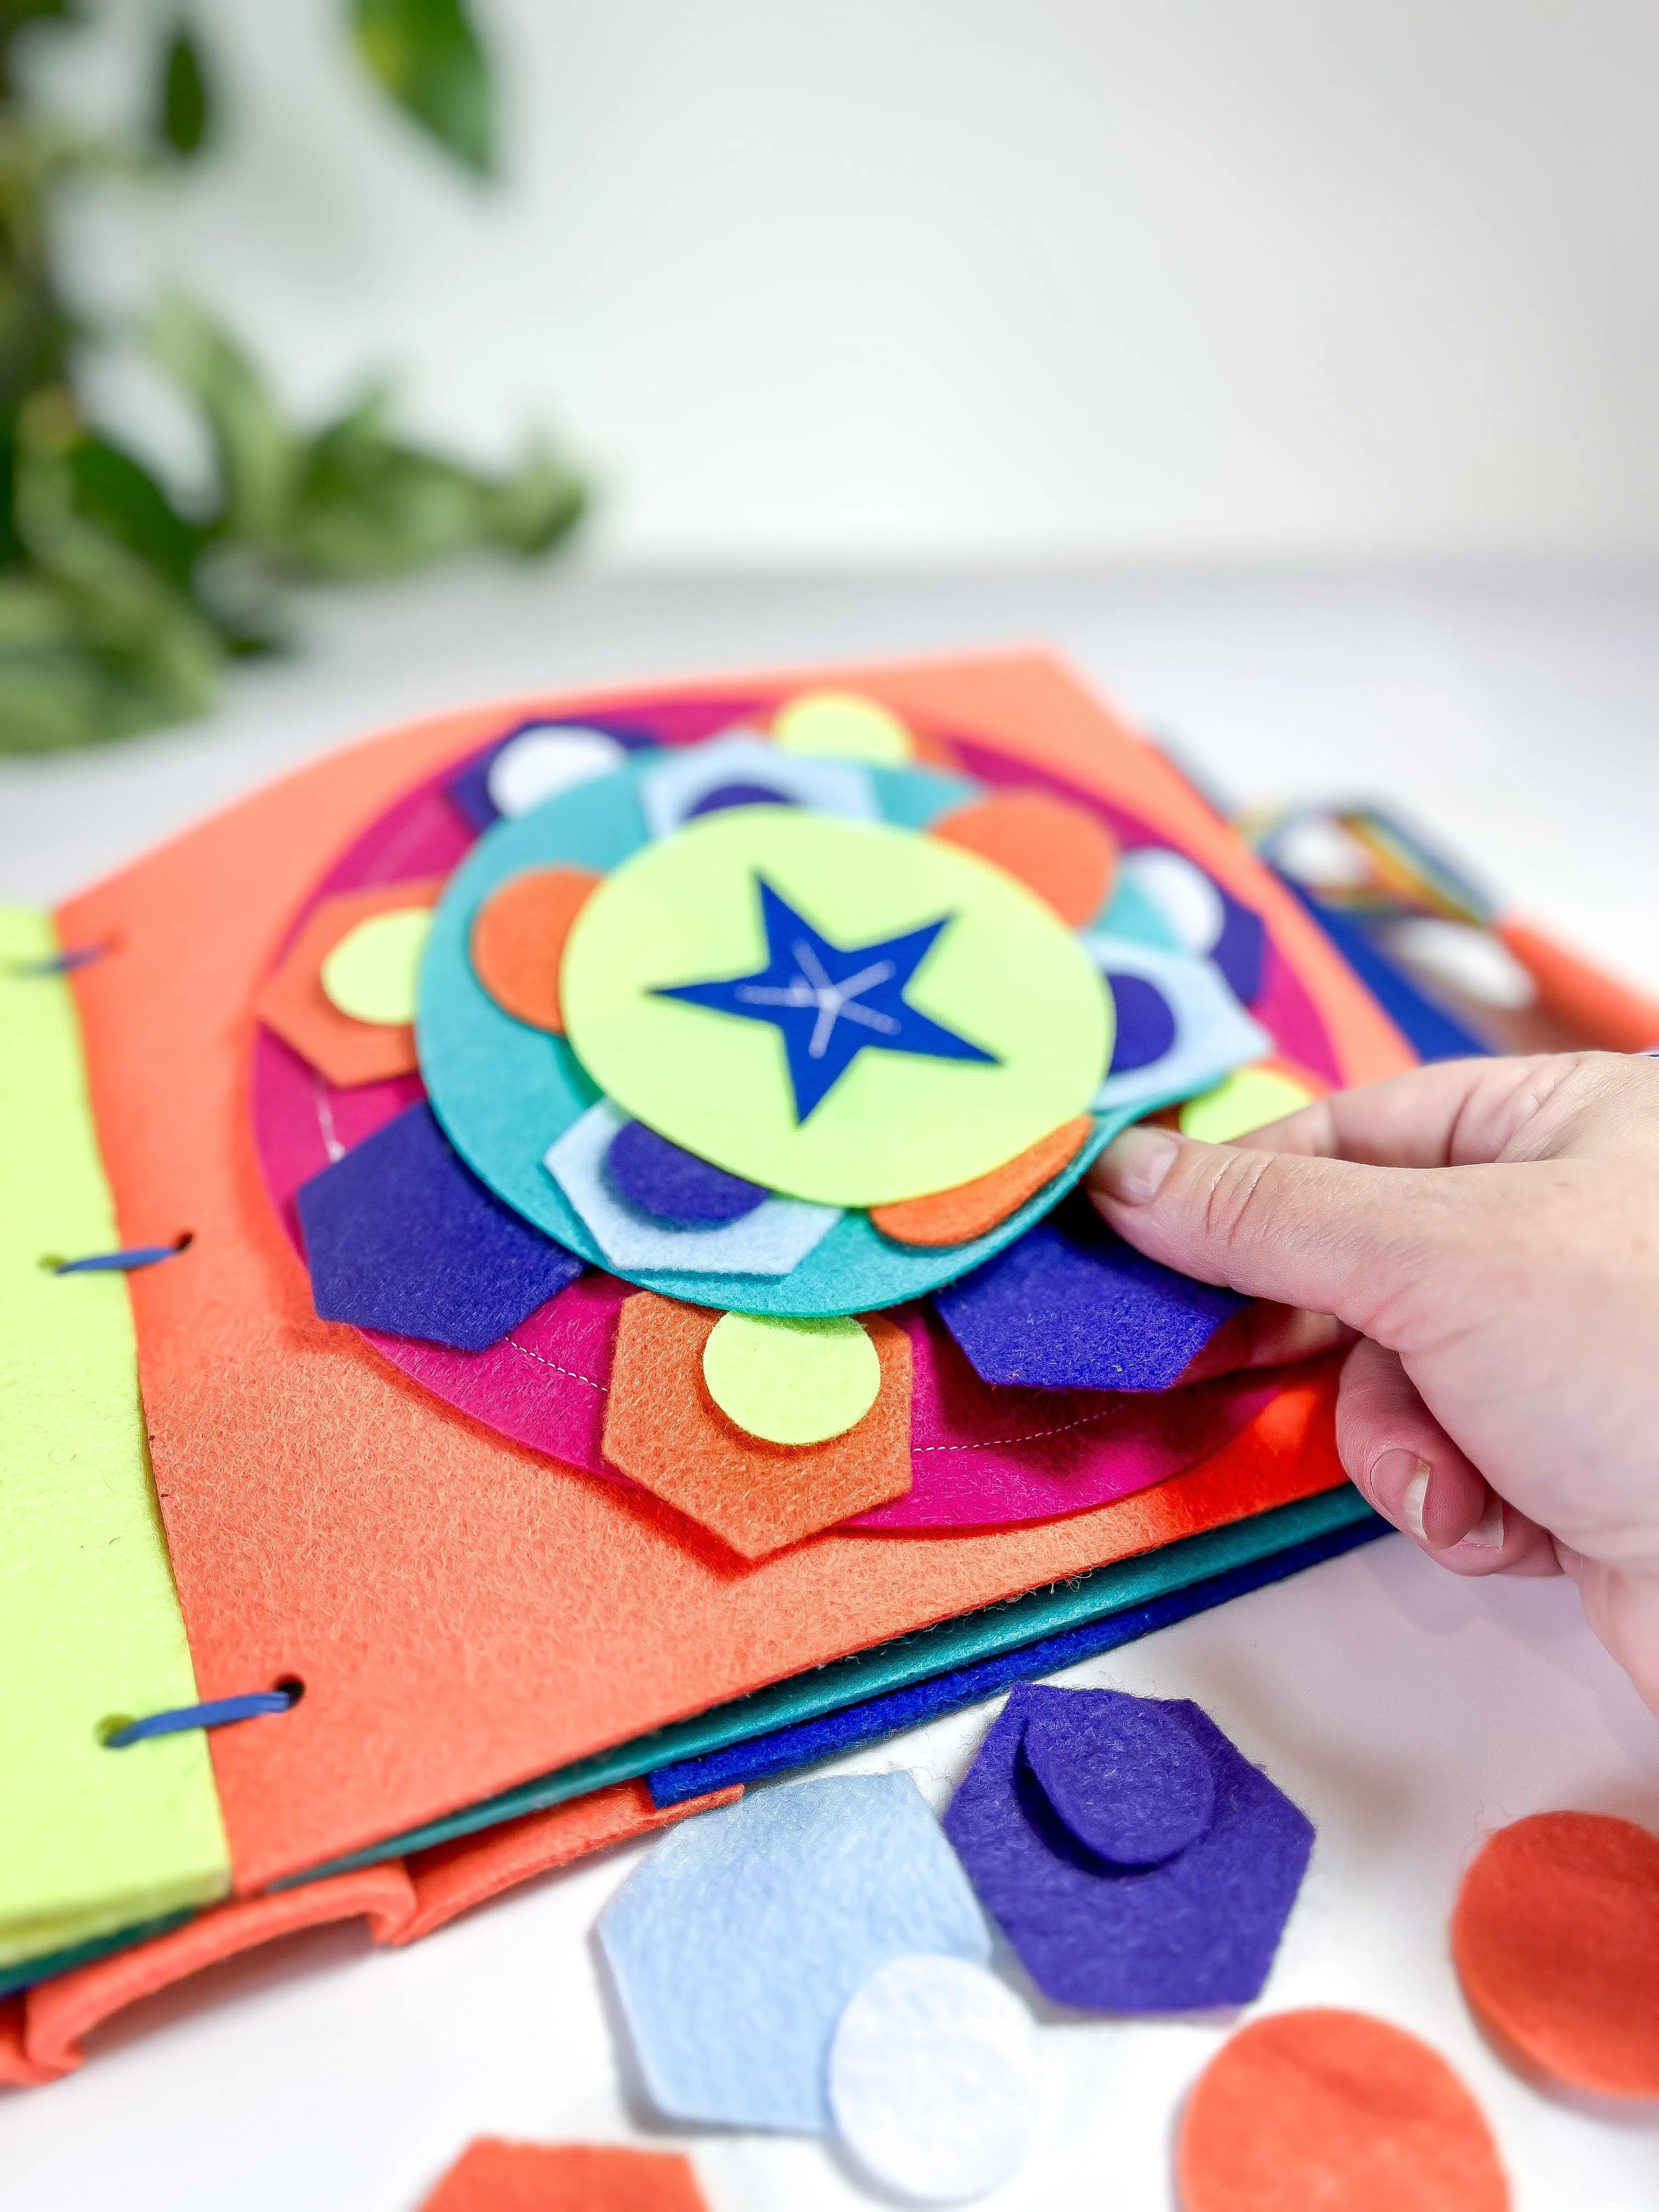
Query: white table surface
[[1406, 1712]]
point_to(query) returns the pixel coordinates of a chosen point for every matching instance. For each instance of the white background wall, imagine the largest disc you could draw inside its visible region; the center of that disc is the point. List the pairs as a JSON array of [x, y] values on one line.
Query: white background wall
[[920, 279]]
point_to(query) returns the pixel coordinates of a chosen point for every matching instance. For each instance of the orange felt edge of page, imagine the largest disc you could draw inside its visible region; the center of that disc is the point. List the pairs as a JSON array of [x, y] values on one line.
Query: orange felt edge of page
[[956, 1216], [492, 2175], [294, 1004], [1068, 858], [327, 1519], [41, 2032], [518, 941]]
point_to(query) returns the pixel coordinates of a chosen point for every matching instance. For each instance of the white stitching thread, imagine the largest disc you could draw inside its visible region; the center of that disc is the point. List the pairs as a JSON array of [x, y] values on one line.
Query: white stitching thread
[[998, 1444], [569, 1372]]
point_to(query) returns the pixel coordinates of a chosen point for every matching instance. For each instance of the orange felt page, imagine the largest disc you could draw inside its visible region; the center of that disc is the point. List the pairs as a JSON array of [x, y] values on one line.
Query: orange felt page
[[464, 1614]]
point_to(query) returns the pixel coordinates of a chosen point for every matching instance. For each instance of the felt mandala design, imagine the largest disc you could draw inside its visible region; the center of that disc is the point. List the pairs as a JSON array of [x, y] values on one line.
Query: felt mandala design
[[713, 1018]]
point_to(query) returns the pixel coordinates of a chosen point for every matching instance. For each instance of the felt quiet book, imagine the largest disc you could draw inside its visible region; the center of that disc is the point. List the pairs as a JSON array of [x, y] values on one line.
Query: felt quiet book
[[592, 1271]]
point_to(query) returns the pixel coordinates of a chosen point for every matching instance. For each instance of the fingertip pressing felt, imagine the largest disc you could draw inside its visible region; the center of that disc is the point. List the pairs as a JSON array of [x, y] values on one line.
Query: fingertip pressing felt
[[957, 1216], [1059, 851], [492, 2175], [293, 1004], [1555, 1938], [1333, 2108], [518, 941], [790, 1381]]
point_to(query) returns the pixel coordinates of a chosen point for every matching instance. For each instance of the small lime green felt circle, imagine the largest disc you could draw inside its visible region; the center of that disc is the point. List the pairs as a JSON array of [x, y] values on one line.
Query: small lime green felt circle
[[372, 973], [1248, 1099], [1004, 973], [790, 1381], [845, 724]]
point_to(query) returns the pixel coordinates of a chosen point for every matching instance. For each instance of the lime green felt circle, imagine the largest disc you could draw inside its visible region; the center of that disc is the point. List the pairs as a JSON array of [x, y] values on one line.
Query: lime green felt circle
[[843, 724], [372, 973], [1004, 972], [790, 1381], [1249, 1099]]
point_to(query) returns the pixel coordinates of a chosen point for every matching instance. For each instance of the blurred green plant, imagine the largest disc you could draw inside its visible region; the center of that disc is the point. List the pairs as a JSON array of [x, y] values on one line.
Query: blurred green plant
[[119, 604]]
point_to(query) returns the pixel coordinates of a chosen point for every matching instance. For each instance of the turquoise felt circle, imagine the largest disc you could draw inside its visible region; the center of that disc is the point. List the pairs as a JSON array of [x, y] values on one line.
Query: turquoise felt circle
[[504, 1092]]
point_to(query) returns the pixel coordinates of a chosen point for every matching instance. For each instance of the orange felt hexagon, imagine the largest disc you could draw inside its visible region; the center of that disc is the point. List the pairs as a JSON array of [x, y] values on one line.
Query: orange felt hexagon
[[492, 2175], [1065, 856], [955, 1216], [662, 1428], [293, 1004], [518, 941]]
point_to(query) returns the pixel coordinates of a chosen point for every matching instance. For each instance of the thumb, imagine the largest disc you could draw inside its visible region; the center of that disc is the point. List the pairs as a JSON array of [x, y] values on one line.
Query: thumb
[[1331, 1235]]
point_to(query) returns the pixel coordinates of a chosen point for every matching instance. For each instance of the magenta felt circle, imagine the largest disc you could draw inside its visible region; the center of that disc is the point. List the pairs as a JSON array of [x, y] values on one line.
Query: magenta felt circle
[[982, 1458]]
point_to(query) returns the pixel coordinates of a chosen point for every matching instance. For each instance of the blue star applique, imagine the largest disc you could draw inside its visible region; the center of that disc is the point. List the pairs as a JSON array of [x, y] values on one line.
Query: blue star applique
[[830, 1002]]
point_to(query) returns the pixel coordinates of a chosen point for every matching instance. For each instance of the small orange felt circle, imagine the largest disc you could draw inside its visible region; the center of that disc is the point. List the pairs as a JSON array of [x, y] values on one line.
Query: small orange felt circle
[[1337, 2110], [1555, 1938], [1063, 855], [518, 941], [957, 1216]]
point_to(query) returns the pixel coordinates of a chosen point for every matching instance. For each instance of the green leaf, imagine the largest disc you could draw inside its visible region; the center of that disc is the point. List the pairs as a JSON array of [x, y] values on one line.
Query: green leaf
[[258, 454], [429, 58], [540, 503], [183, 115], [120, 497]]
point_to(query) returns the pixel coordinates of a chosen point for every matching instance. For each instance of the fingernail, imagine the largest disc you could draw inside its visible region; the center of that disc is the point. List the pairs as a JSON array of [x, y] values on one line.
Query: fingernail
[[1404, 1471], [1488, 1530], [1132, 1167]]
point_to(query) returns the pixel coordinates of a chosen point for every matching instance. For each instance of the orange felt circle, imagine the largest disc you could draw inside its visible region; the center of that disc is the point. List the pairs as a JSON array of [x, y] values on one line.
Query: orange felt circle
[[492, 2175], [1337, 2110], [518, 941], [1065, 856], [956, 1216], [1555, 1938]]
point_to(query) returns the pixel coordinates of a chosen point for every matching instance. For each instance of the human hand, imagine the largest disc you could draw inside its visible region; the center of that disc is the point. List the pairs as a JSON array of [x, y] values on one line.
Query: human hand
[[1490, 1228]]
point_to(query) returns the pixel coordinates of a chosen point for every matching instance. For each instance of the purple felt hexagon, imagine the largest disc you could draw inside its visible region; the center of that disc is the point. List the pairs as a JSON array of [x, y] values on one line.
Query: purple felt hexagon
[[1070, 1306], [671, 1184], [401, 1236], [1197, 1930]]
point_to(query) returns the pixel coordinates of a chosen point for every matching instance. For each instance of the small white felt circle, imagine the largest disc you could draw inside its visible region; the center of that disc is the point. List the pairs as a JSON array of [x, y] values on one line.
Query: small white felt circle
[[1182, 894], [936, 2079], [537, 763]]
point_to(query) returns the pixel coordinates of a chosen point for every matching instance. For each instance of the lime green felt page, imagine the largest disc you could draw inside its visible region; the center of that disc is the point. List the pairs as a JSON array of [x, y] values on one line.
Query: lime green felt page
[[90, 1628]]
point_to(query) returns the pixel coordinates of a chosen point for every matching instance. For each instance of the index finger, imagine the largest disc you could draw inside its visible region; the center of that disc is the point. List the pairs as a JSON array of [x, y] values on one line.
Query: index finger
[[1453, 1113]]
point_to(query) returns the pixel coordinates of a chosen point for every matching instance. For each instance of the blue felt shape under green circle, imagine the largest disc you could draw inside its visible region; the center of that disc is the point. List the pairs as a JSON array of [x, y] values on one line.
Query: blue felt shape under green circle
[[505, 1092]]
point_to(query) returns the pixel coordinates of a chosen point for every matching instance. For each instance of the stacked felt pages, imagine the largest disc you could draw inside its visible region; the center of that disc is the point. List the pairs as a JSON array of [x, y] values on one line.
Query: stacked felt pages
[[593, 1192]]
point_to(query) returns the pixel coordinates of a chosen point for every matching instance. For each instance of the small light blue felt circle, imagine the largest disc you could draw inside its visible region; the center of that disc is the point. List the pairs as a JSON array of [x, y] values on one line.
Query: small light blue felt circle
[[504, 1092]]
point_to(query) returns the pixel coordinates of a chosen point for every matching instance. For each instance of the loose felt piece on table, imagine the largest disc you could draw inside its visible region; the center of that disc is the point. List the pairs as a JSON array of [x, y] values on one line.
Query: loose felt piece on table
[[415, 1712], [90, 1630], [293, 1004], [539, 763], [936, 2079], [675, 788], [1335, 2109], [674, 1185], [845, 725], [771, 1238], [1196, 1931], [959, 1215], [1071, 1306], [661, 1428], [790, 1381], [1125, 1776], [1555, 1939], [518, 941], [738, 1942], [371, 974], [401, 1236], [492, 2175], [1248, 1099], [1065, 855], [1212, 1034]]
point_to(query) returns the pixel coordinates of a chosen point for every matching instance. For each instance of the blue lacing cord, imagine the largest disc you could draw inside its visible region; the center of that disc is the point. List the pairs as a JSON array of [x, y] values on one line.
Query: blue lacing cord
[[65, 963], [218, 1712], [135, 1257]]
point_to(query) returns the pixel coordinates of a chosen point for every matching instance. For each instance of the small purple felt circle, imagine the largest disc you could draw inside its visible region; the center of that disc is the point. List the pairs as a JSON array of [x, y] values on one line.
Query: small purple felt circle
[[1146, 1026], [739, 794], [1123, 1774], [673, 1185]]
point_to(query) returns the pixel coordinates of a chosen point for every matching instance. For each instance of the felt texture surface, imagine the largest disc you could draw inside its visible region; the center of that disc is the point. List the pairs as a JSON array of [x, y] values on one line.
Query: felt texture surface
[[1066, 856], [1555, 1938], [538, 763], [675, 1185], [790, 1381], [1071, 1306], [1249, 1099], [1127, 1779], [401, 1236], [518, 941], [936, 2079], [492, 2175], [89, 1627], [1198, 1929], [759, 1757], [771, 1238], [1145, 1029], [674, 788], [1212, 1034], [846, 725], [1333, 2109], [293, 1004], [1007, 1031], [957, 1216], [735, 1947], [661, 1428], [418, 1706], [370, 975]]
